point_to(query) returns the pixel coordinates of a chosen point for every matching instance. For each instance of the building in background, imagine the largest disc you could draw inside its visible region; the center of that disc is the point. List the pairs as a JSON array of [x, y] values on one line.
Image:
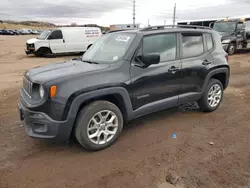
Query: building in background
[[124, 26], [204, 22]]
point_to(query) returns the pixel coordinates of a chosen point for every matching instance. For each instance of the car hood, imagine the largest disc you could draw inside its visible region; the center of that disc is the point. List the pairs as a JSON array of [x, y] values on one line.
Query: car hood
[[51, 72], [226, 35], [32, 41]]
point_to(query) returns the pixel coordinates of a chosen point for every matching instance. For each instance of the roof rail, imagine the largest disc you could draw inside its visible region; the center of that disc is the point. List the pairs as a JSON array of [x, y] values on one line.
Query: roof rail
[[118, 30], [175, 26]]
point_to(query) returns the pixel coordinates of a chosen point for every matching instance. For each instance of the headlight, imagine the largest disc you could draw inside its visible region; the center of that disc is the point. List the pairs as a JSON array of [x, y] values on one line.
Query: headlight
[[226, 41], [41, 91]]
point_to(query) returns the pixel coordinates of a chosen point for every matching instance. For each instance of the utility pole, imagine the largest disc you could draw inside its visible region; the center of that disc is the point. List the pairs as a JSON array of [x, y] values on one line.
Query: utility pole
[[134, 13], [164, 22], [148, 23], [174, 17]]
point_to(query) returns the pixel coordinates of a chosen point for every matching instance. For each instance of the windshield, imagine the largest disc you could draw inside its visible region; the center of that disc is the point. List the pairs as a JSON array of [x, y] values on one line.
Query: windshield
[[227, 27], [109, 48], [44, 34]]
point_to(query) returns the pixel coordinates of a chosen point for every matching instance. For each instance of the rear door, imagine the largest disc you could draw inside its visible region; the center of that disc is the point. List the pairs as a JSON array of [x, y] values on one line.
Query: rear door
[[57, 42], [196, 61]]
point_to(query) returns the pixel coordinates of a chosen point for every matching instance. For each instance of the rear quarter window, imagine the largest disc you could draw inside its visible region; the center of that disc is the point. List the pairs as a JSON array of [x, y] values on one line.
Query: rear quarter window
[[209, 41]]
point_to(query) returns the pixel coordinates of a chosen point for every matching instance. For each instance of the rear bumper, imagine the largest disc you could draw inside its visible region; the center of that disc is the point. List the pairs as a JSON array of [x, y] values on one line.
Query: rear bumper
[[40, 125]]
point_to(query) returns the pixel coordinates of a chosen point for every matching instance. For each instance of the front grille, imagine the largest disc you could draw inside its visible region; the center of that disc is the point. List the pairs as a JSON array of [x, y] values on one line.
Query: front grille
[[27, 86]]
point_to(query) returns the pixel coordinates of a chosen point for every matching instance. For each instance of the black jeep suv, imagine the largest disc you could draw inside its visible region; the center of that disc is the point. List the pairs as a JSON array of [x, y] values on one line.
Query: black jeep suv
[[122, 76]]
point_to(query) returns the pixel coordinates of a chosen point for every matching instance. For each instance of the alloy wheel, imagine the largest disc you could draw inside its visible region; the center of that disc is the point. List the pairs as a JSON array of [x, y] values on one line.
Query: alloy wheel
[[102, 127], [214, 95]]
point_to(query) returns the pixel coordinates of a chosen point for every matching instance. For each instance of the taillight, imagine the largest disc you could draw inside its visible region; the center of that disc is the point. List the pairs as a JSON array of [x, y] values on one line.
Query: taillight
[[227, 58]]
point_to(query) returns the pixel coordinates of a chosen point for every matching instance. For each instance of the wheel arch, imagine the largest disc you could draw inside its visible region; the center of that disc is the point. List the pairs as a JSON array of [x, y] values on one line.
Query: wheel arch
[[222, 74], [116, 95], [43, 48]]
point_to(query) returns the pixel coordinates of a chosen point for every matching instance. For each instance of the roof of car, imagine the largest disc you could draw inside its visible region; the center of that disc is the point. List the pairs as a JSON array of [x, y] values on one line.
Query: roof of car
[[166, 29]]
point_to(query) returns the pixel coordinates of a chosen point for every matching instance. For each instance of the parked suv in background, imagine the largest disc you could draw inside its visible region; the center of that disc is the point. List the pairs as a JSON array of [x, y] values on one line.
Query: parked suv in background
[[122, 76]]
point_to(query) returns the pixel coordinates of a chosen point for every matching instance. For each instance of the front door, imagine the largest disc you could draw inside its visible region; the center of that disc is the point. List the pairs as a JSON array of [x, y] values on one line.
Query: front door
[[57, 42], [196, 61], [157, 82]]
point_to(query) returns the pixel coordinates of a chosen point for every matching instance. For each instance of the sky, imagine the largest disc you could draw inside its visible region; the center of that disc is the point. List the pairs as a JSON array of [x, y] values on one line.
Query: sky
[[108, 12]]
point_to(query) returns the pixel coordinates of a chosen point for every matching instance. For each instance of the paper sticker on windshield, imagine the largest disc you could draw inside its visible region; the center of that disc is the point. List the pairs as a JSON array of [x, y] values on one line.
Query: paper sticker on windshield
[[115, 58], [122, 38]]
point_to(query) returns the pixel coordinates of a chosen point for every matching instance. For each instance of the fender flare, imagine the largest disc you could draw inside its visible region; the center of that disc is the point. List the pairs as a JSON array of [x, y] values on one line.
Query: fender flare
[[75, 105], [44, 47], [224, 70]]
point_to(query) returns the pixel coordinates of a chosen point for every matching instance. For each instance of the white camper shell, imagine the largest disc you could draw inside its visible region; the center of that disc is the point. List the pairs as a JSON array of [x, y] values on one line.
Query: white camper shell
[[63, 40]]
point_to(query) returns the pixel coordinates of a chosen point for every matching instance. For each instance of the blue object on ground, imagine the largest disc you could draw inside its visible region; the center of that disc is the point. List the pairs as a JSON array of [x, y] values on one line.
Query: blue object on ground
[[174, 135]]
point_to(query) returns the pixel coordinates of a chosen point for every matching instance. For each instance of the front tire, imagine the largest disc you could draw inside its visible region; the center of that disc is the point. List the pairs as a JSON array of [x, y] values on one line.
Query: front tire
[[98, 125], [231, 49], [43, 52], [212, 96]]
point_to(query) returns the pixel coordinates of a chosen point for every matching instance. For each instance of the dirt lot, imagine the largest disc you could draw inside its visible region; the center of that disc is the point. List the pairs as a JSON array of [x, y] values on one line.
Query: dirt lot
[[145, 153]]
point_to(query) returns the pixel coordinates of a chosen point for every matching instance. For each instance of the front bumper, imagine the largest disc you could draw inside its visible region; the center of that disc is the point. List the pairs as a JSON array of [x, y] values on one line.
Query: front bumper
[[225, 46], [30, 51], [40, 125]]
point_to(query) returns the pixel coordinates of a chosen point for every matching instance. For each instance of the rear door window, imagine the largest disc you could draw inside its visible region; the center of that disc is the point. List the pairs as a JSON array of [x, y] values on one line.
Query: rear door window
[[192, 45]]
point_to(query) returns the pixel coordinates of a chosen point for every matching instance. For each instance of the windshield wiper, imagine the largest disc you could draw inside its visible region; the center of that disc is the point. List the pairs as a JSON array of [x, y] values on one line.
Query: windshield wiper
[[90, 62]]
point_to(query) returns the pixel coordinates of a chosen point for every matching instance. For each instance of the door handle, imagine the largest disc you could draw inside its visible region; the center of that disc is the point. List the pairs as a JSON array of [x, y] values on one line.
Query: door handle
[[63, 41], [206, 62], [173, 69]]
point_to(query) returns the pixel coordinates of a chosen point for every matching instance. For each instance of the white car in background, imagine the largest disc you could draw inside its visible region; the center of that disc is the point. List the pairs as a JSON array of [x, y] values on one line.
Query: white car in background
[[63, 40], [26, 31]]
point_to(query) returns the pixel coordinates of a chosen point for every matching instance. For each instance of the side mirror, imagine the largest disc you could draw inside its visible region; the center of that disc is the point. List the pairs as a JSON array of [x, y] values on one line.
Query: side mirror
[[211, 25], [150, 59]]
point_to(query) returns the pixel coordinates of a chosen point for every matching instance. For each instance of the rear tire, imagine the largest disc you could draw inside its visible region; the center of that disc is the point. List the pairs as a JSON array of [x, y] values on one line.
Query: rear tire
[[212, 96], [98, 125]]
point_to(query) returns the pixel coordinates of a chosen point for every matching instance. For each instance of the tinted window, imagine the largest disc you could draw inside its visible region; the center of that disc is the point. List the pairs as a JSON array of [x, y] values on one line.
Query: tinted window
[[248, 26], [227, 27], [164, 44], [57, 34], [192, 45], [209, 40], [239, 27]]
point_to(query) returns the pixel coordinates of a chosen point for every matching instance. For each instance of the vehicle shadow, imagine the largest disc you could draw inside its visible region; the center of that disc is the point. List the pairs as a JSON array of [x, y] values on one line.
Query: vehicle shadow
[[190, 107]]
